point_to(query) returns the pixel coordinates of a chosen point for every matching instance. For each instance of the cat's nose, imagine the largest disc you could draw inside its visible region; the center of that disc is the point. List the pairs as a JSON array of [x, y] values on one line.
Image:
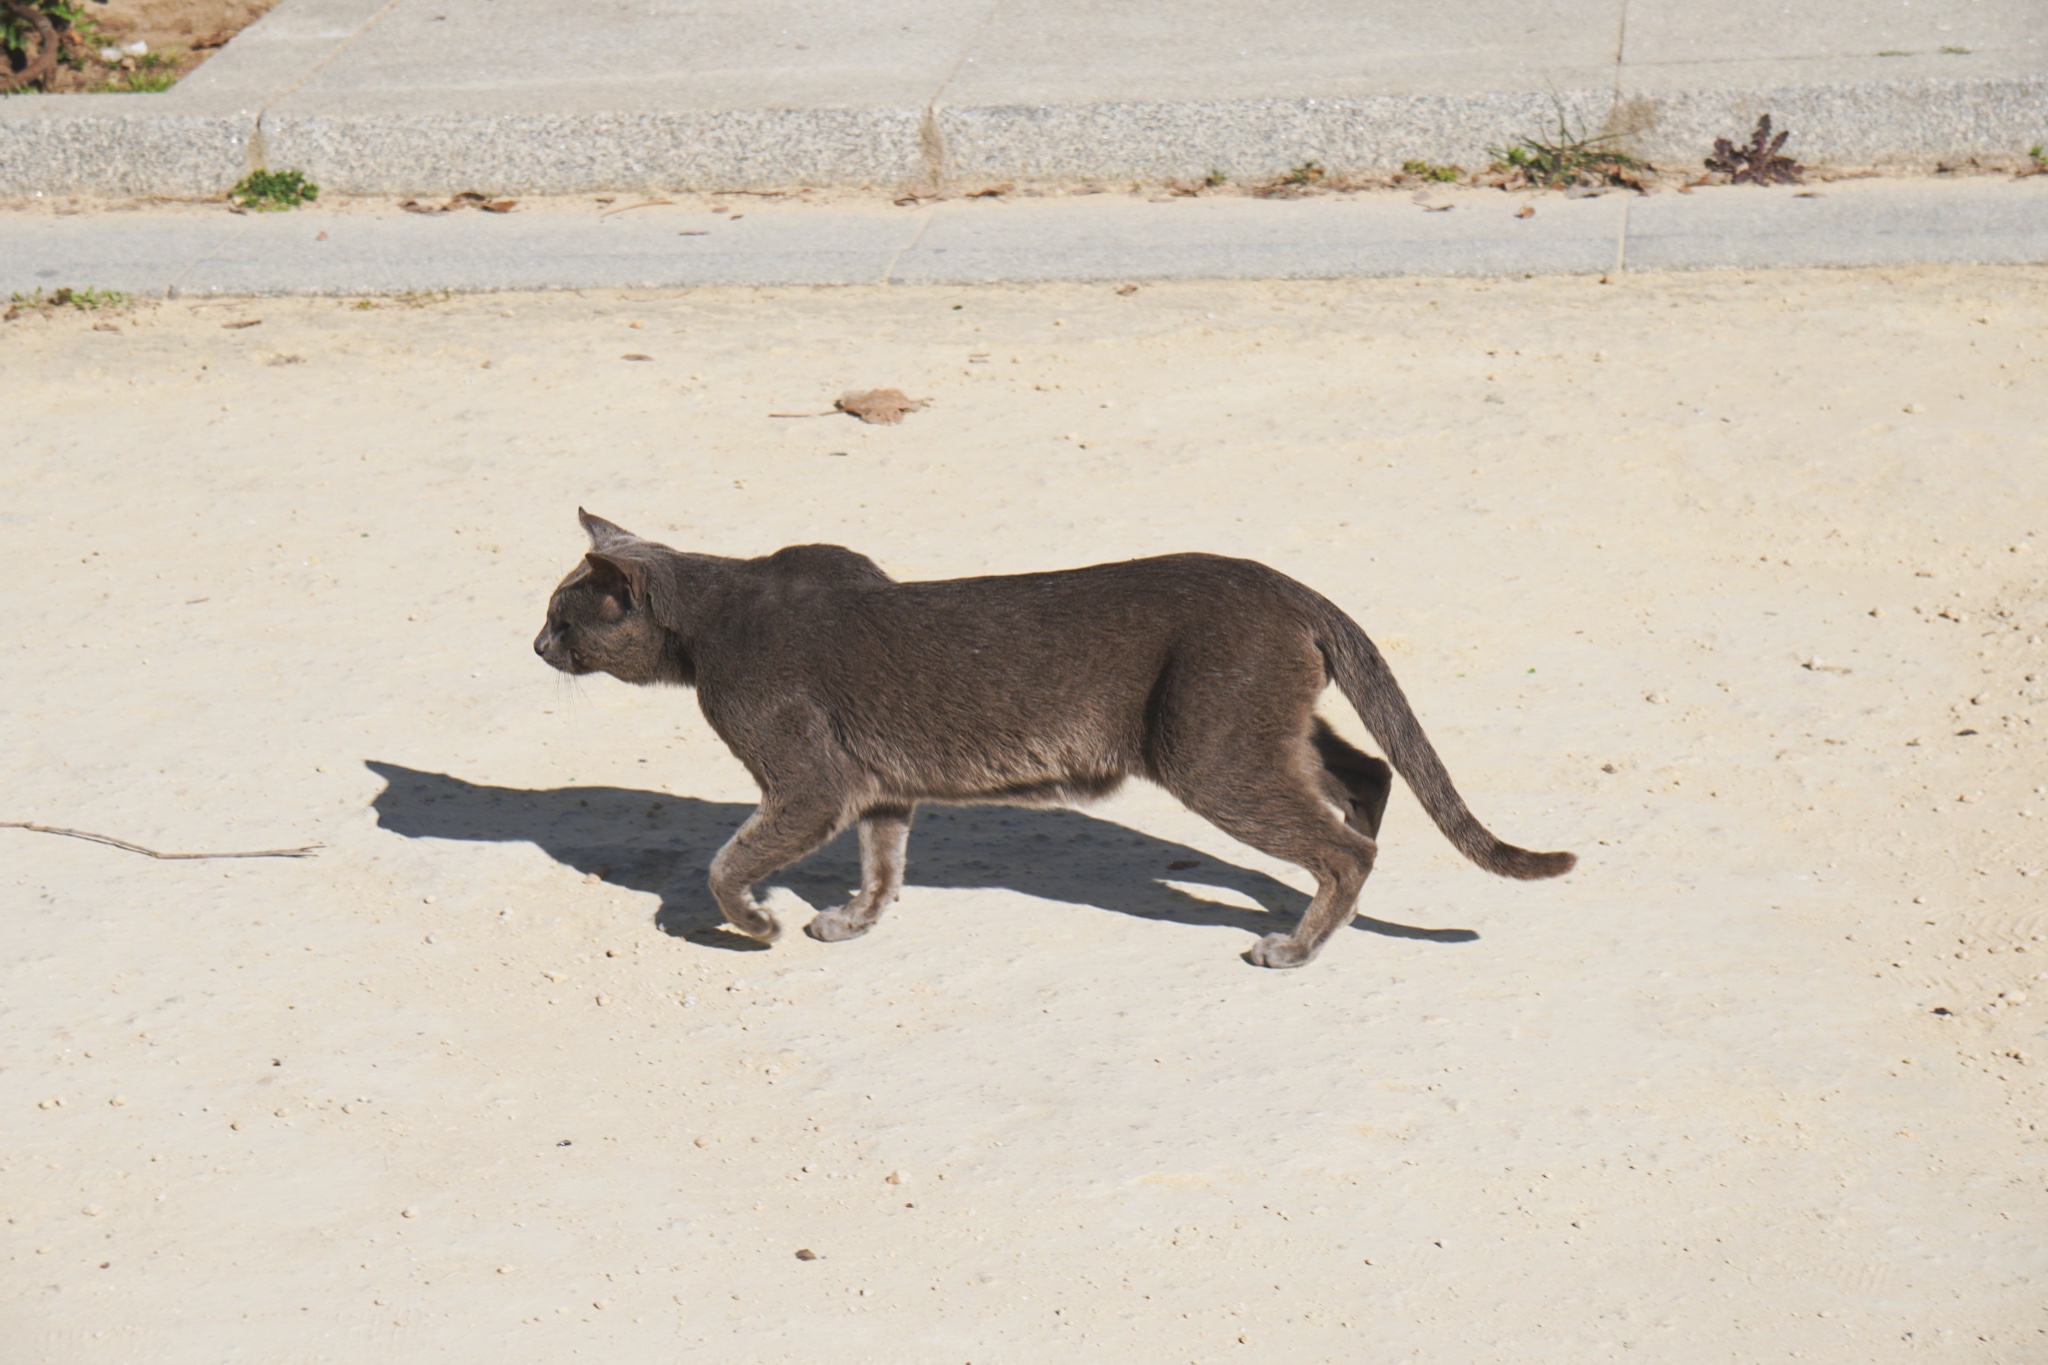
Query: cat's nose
[[542, 641]]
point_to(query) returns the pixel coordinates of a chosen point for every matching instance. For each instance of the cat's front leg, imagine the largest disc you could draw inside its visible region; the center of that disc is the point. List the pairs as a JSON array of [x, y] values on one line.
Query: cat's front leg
[[884, 841], [776, 835]]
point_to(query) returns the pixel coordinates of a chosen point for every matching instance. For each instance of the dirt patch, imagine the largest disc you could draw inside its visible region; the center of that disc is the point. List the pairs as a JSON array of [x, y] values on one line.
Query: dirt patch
[[177, 37], [1715, 615]]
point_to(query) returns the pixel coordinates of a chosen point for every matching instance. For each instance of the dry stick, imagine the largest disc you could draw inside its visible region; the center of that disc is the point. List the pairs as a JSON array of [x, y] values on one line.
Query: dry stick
[[833, 413], [628, 208], [305, 852]]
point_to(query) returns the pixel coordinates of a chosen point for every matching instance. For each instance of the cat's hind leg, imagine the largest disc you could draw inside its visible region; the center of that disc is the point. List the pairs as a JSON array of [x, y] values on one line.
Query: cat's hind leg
[[884, 843], [779, 833], [1277, 803], [1357, 782]]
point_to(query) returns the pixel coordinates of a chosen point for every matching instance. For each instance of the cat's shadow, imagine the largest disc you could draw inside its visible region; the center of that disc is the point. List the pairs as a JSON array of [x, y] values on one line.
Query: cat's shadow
[[661, 844]]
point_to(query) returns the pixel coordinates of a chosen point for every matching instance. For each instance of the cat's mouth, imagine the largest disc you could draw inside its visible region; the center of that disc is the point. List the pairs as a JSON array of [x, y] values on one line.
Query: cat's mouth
[[557, 655]]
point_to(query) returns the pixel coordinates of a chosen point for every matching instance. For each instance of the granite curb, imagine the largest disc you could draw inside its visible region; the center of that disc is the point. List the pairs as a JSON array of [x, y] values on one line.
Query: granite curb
[[515, 97], [196, 147]]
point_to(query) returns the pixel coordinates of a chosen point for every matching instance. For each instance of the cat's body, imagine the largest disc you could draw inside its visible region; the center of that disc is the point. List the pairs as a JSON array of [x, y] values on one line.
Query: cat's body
[[851, 697]]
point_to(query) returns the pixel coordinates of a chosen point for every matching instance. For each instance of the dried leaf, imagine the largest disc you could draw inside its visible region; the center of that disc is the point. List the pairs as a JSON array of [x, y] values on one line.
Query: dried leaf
[[993, 191], [468, 199], [1526, 211], [879, 405]]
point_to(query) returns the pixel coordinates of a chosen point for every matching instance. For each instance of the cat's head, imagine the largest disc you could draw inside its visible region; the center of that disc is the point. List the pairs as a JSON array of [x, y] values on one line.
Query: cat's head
[[598, 618]]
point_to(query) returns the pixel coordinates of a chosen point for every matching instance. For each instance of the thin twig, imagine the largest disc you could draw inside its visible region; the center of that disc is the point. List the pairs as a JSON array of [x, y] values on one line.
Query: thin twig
[[305, 852], [833, 413], [628, 208], [758, 194]]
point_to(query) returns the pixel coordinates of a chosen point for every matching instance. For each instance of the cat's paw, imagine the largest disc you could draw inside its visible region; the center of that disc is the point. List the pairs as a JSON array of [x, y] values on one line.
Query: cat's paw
[[758, 923], [1277, 950], [835, 926]]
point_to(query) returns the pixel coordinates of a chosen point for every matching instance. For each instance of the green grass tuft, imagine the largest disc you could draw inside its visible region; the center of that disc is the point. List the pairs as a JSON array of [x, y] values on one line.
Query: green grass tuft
[[274, 191], [85, 300], [1429, 170]]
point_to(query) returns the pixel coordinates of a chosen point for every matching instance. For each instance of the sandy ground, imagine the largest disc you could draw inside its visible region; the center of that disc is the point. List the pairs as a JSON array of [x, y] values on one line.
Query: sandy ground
[[1731, 583]]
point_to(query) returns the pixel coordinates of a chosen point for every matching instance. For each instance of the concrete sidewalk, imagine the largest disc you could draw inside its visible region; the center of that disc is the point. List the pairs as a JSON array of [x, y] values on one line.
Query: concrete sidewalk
[[357, 250], [531, 97]]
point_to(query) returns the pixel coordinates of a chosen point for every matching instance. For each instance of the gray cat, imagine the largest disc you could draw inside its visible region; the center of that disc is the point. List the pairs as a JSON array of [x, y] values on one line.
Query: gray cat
[[852, 697]]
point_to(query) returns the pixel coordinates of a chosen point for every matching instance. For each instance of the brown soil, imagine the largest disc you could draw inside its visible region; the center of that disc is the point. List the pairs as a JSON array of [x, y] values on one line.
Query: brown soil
[[181, 35]]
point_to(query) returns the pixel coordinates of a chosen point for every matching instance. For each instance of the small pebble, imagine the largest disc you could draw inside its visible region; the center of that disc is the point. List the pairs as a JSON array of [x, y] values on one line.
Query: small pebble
[[504, 1270], [896, 1178], [703, 1142], [1913, 408], [1655, 698], [604, 1000], [806, 1254], [408, 1212], [689, 1002], [118, 1101]]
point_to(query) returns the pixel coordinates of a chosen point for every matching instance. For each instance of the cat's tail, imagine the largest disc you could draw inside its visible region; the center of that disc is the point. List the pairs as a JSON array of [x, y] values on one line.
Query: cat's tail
[[1362, 673]]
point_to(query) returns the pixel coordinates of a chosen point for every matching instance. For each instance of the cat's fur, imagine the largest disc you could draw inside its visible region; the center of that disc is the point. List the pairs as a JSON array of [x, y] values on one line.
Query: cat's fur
[[852, 697]]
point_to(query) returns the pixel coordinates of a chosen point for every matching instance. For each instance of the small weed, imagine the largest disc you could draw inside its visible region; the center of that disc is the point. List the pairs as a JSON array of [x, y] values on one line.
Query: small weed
[[84, 300], [1429, 170], [274, 191], [1564, 159], [1215, 180], [141, 83], [2037, 161], [1759, 163], [1300, 181], [422, 298], [1894, 52], [1955, 51], [152, 73]]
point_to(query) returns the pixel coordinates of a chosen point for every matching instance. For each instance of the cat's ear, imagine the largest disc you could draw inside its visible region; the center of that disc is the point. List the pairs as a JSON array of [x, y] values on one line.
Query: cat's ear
[[603, 534], [612, 572]]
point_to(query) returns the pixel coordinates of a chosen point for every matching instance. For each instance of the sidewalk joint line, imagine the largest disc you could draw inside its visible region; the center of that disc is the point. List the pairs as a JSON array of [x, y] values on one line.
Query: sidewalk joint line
[[909, 246], [1620, 49], [258, 151], [175, 289], [931, 142]]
